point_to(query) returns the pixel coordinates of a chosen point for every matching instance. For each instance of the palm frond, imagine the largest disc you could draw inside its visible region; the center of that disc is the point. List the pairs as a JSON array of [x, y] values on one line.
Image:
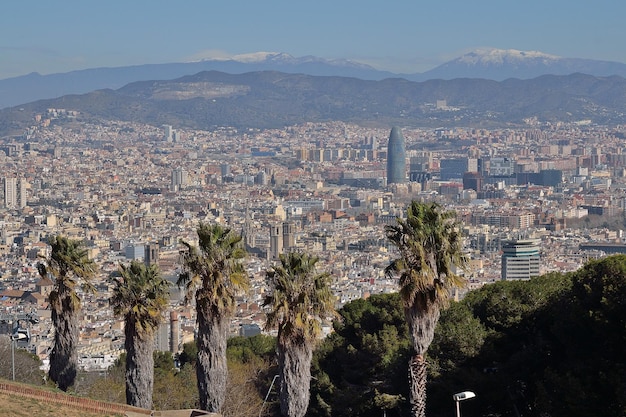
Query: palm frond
[[429, 243], [212, 272], [140, 296], [66, 265], [299, 297]]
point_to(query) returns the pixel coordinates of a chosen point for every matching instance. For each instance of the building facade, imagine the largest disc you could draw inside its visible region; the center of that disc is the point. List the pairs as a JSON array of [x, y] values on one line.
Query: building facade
[[454, 168], [14, 192], [180, 178], [396, 157], [521, 259]]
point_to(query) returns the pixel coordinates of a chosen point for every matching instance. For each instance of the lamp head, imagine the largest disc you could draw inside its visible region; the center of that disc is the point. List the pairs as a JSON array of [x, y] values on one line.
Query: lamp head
[[465, 395]]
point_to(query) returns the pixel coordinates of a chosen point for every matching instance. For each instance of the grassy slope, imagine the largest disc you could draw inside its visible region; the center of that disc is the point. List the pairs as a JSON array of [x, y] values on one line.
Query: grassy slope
[[14, 406]]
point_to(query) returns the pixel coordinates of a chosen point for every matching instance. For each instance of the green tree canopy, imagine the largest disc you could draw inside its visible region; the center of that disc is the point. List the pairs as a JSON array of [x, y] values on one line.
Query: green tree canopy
[[550, 346], [363, 362]]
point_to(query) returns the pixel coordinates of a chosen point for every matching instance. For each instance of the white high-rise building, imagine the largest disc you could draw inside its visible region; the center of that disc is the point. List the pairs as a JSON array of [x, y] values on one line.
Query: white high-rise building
[[14, 192], [169, 133], [520, 259], [10, 192]]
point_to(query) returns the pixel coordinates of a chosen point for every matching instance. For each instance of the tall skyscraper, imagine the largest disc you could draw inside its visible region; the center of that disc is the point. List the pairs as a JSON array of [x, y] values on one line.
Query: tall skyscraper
[[396, 157], [225, 170], [180, 179], [10, 192], [169, 132], [520, 259], [473, 181], [14, 192]]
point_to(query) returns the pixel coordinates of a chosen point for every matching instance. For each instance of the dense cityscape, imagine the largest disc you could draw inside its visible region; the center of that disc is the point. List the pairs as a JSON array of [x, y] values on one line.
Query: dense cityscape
[[132, 191], [309, 209]]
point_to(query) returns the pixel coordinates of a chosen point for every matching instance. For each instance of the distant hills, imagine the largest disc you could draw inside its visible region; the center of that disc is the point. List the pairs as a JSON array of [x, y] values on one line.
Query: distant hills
[[270, 99], [490, 64], [32, 87], [499, 65]]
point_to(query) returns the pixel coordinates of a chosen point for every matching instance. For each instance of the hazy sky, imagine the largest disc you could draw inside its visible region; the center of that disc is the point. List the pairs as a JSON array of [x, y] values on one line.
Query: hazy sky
[[401, 36]]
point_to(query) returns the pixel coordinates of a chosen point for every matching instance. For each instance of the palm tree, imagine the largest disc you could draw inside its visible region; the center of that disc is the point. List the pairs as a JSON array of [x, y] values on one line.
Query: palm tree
[[429, 243], [67, 265], [213, 275], [299, 297], [140, 296]]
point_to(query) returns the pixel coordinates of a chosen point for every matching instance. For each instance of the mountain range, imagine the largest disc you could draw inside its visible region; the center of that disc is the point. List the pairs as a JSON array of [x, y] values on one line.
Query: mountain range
[[270, 99], [490, 64]]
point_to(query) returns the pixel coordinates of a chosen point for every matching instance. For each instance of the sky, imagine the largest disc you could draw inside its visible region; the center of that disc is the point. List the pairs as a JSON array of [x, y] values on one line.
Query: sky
[[403, 36]]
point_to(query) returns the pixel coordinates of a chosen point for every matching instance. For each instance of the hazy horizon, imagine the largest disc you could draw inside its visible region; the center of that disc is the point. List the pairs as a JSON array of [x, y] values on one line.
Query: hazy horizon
[[397, 36]]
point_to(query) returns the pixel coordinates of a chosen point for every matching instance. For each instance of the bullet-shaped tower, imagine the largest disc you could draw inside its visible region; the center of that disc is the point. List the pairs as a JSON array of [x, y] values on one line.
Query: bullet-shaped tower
[[396, 157]]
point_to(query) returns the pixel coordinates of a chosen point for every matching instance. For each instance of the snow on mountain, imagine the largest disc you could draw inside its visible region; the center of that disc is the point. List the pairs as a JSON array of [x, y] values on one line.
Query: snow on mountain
[[244, 58], [502, 56], [24, 89], [493, 64], [281, 58], [500, 64]]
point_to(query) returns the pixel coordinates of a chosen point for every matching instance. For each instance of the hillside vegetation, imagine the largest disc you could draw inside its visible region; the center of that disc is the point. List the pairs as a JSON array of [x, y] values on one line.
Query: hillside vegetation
[[548, 347], [551, 346], [273, 100]]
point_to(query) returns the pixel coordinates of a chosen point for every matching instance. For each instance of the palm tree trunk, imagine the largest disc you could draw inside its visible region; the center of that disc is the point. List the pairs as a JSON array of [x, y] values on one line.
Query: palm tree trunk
[[422, 319], [295, 378], [64, 356], [139, 369], [211, 367], [417, 385]]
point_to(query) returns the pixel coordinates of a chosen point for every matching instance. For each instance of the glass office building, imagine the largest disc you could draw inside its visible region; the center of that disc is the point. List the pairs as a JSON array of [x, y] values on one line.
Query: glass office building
[[520, 259], [396, 157]]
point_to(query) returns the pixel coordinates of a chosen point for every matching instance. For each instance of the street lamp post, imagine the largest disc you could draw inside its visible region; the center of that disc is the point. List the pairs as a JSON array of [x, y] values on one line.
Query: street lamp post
[[14, 338], [461, 396], [13, 355], [268, 394]]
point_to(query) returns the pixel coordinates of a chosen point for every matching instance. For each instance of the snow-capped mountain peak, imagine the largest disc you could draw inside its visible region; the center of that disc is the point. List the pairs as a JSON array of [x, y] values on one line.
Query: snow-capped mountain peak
[[258, 57], [500, 64], [243, 58], [283, 59], [491, 56]]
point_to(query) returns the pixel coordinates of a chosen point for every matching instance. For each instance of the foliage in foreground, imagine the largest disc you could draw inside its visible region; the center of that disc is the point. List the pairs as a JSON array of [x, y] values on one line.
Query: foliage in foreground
[[430, 249], [249, 377], [140, 297], [551, 346], [69, 266], [212, 275], [362, 360], [300, 297]]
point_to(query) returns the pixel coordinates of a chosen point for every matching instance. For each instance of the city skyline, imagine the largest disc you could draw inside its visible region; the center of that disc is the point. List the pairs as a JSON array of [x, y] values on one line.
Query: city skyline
[[398, 36]]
